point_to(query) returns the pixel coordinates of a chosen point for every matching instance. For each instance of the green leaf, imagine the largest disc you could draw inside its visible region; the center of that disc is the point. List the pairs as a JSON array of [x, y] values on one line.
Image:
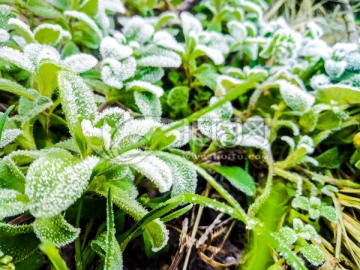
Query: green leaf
[[49, 34], [22, 28], [90, 7], [329, 212], [43, 9], [113, 257], [3, 120], [239, 178], [178, 97], [10, 176], [301, 202], [47, 77], [77, 100], [287, 236], [30, 109], [54, 256], [55, 230], [55, 181], [12, 203], [329, 159], [313, 254], [15, 88], [207, 75], [341, 94], [19, 242]]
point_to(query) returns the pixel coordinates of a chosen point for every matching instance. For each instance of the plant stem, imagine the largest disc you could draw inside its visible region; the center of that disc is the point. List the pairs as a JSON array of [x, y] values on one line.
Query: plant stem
[[78, 255]]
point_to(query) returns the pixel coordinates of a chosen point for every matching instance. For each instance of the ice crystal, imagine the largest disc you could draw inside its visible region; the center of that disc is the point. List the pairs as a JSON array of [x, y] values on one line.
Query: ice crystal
[[54, 182], [16, 58], [137, 29], [148, 104], [55, 230], [11, 203], [8, 136], [145, 86], [111, 48], [80, 62], [86, 19]]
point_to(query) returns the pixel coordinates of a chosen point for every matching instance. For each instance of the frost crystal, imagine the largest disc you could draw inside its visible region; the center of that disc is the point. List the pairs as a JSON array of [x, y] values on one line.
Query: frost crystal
[[148, 104], [22, 27], [159, 57], [80, 62], [16, 58], [54, 182], [137, 29], [164, 39], [145, 86], [55, 230], [4, 35], [213, 54], [114, 72], [8, 136], [319, 81], [86, 19], [313, 254], [294, 97], [110, 47], [37, 53], [102, 134], [150, 166], [190, 23], [335, 68], [11, 203]]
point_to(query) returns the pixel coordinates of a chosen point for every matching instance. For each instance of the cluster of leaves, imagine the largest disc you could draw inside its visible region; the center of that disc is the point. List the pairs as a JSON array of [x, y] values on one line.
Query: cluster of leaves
[[89, 87]]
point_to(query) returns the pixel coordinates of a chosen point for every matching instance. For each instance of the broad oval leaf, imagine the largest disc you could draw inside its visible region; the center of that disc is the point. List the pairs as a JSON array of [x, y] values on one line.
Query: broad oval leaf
[[341, 94], [80, 62], [313, 254], [55, 181], [12, 203]]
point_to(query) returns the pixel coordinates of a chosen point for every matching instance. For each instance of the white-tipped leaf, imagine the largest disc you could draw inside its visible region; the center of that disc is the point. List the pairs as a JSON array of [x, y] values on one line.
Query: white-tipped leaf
[[80, 62]]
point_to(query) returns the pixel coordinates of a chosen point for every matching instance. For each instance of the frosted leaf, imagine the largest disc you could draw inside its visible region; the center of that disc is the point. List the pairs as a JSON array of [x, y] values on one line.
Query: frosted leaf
[[313, 254], [16, 58], [21, 28], [319, 81], [150, 74], [145, 86], [110, 47], [19, 40], [148, 104], [158, 57], [97, 136], [335, 68], [184, 178], [86, 19], [113, 6], [30, 109], [294, 97], [237, 30], [353, 62], [215, 41], [225, 83], [314, 30], [113, 255], [190, 23], [133, 130], [329, 190], [340, 50], [137, 29], [77, 99], [164, 39], [112, 117], [47, 33], [114, 72], [80, 62], [54, 182], [290, 142], [301, 202], [8, 136], [55, 230], [213, 54], [316, 48], [150, 166], [4, 35], [249, 6], [329, 212], [183, 135], [38, 52], [12, 203], [287, 236], [68, 144]]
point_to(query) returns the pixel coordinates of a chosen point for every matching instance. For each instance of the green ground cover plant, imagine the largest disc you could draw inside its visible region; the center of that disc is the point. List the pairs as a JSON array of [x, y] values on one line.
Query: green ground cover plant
[[114, 112]]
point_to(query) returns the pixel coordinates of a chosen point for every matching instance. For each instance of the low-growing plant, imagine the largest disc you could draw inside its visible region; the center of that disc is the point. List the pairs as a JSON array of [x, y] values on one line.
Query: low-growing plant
[[89, 85]]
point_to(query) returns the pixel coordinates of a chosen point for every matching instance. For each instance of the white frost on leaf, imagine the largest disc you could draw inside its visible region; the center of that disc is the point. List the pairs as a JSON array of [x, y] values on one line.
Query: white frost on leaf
[[80, 62], [296, 98], [16, 58], [213, 54], [21, 27], [313, 254], [86, 19], [335, 68], [319, 81], [54, 182], [159, 57], [55, 230], [190, 23], [148, 104], [38, 52], [4, 35], [164, 39], [113, 6], [11, 203], [145, 86], [137, 29], [102, 134], [111, 48], [8, 136], [114, 72], [150, 166]]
